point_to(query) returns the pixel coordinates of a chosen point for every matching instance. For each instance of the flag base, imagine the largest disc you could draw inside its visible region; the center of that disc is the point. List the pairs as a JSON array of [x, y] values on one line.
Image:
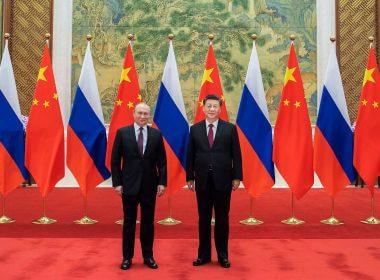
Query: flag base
[[169, 221], [121, 222], [371, 221], [213, 221], [332, 221], [6, 220], [293, 221], [85, 221], [44, 221], [251, 221]]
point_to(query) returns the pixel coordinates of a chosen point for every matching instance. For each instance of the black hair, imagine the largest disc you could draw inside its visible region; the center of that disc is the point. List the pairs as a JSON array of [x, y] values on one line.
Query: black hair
[[212, 97]]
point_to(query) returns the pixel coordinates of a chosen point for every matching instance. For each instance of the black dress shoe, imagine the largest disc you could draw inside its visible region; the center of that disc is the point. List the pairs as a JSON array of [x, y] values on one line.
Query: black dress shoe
[[224, 263], [151, 263], [126, 264], [200, 261]]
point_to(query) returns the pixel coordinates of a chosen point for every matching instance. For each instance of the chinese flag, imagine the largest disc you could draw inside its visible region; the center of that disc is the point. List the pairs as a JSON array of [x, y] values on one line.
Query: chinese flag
[[292, 143], [367, 131], [210, 85], [128, 95], [44, 147]]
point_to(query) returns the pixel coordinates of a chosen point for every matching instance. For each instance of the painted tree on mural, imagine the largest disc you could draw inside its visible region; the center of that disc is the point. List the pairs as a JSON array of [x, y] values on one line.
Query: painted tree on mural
[[231, 21]]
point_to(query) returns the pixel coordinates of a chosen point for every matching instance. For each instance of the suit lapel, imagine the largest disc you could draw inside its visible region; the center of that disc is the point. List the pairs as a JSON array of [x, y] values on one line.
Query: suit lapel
[[219, 129], [134, 139], [148, 140], [204, 133]]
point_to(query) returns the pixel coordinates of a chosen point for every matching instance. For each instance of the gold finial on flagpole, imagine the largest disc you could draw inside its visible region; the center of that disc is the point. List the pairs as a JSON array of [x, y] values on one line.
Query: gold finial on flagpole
[[292, 37], [6, 36], [171, 36], [88, 37], [254, 37], [332, 39], [211, 37], [47, 37], [371, 39], [130, 37]]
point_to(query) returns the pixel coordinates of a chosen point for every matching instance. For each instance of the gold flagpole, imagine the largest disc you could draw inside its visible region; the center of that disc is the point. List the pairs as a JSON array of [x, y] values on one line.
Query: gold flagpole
[[85, 220], [169, 220], [293, 220], [120, 222], [372, 220], [4, 219], [332, 221], [251, 221], [44, 220]]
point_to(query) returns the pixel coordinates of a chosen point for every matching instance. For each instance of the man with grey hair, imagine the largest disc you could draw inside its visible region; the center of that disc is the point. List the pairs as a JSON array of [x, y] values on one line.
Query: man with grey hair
[[138, 167]]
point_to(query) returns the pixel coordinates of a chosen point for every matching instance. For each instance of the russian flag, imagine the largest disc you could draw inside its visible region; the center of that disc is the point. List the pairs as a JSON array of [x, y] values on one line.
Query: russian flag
[[170, 118], [12, 143], [86, 134], [333, 139], [255, 132]]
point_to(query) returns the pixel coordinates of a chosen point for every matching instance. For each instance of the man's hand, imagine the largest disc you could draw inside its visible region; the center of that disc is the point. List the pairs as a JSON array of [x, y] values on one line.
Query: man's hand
[[119, 190], [190, 185], [160, 190], [235, 184]]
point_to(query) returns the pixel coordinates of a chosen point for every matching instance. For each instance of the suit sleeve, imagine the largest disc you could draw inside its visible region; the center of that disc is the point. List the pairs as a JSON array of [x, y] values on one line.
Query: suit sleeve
[[161, 163], [190, 157], [116, 160], [237, 171]]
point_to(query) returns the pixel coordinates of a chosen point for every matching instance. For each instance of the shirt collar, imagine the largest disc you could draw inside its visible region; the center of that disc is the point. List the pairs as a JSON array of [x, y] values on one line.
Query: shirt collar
[[137, 127], [215, 123]]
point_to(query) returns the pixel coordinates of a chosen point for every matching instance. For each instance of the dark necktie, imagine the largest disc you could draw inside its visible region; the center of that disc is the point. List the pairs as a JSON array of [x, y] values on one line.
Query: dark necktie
[[140, 141], [210, 135]]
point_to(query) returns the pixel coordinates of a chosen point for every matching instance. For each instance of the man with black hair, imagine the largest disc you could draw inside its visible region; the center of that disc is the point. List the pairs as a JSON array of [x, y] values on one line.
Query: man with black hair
[[213, 170]]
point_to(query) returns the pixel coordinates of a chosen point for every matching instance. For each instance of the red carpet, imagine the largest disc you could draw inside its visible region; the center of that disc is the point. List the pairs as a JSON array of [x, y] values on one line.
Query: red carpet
[[66, 205], [98, 258], [269, 251]]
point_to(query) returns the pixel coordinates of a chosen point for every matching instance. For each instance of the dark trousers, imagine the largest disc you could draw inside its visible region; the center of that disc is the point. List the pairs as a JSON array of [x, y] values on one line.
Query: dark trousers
[[147, 206], [207, 199]]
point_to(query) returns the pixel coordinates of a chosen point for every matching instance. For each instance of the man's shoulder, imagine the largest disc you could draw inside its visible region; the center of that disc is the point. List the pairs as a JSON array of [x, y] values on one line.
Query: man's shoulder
[[226, 123], [198, 124], [124, 129], [154, 130]]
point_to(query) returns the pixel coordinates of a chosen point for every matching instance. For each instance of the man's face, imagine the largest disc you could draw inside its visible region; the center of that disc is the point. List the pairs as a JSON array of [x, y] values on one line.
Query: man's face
[[141, 114], [212, 110]]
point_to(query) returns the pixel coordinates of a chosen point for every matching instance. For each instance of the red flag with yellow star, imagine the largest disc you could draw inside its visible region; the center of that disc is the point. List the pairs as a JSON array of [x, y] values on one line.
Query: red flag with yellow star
[[292, 143], [367, 130], [127, 97], [210, 85], [44, 147]]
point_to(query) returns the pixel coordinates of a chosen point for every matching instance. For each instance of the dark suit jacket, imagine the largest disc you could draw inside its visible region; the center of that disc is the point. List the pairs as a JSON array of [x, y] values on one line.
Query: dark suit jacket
[[224, 157], [133, 171]]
